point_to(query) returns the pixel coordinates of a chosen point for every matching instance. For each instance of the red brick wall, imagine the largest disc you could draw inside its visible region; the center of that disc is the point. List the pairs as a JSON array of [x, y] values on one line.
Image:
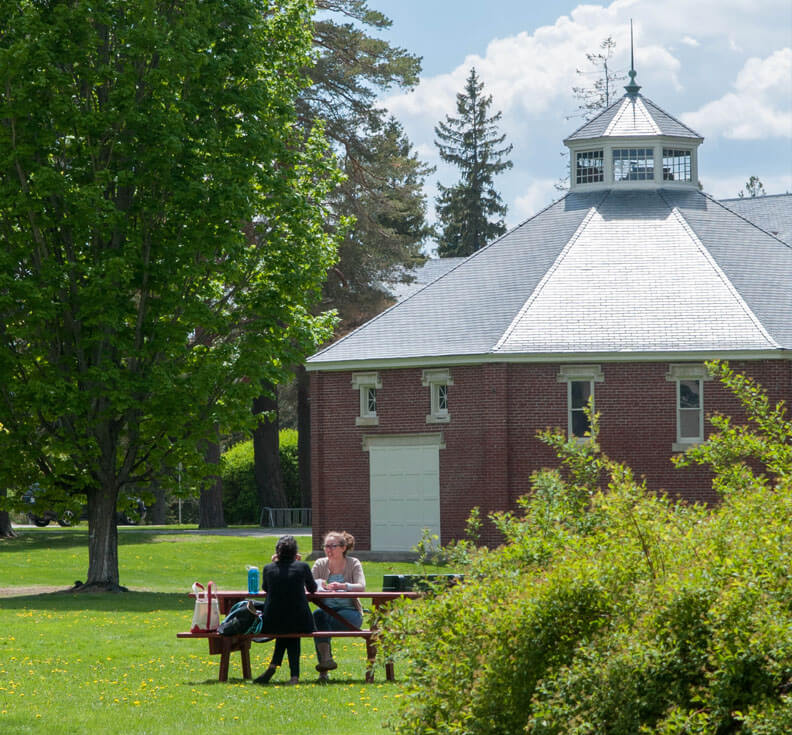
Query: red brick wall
[[491, 447]]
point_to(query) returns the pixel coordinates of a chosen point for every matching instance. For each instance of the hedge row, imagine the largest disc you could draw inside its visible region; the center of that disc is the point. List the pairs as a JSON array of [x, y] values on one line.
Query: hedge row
[[240, 497], [618, 612]]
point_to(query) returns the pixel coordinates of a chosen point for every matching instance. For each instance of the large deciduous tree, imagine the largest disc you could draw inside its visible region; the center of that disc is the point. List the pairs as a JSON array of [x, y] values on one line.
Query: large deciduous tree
[[471, 142], [163, 237]]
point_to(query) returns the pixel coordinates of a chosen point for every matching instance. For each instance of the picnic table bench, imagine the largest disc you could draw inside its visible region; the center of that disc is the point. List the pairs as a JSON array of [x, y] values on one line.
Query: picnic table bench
[[225, 645]]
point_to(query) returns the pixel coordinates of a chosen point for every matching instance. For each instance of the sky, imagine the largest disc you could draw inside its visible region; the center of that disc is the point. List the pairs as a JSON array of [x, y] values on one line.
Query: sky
[[723, 67]]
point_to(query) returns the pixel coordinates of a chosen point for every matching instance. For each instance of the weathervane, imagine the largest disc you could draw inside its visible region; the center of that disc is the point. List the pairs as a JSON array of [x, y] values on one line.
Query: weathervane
[[632, 88]]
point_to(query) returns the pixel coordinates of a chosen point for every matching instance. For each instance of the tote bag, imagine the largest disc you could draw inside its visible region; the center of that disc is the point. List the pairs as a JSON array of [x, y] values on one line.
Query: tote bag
[[206, 615]]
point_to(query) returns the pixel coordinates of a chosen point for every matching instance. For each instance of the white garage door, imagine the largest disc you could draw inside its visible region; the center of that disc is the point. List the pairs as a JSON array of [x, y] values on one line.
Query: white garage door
[[404, 474]]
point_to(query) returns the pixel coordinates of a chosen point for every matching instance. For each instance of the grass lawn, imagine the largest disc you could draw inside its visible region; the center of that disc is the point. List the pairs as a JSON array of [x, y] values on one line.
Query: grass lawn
[[106, 664]]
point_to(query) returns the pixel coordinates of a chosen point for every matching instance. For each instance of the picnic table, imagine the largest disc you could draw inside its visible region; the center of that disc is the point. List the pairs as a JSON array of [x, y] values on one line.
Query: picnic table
[[225, 645]]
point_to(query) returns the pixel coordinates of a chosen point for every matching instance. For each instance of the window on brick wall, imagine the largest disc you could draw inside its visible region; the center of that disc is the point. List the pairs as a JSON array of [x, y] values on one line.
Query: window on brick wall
[[367, 385], [689, 382], [437, 381], [580, 380]]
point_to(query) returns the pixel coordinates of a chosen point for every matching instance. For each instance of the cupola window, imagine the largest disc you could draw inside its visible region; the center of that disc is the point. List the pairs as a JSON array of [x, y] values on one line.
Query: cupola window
[[588, 167], [676, 165], [633, 164]]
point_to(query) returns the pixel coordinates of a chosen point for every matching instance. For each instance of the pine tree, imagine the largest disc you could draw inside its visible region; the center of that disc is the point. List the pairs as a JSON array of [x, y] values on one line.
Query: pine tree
[[384, 187], [471, 141]]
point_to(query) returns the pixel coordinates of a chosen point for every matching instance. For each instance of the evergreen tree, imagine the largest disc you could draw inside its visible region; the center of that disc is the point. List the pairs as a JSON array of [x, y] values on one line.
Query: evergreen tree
[[383, 192], [471, 142]]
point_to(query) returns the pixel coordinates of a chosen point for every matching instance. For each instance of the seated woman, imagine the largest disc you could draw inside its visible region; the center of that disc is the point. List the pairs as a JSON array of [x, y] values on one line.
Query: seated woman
[[286, 608], [337, 571]]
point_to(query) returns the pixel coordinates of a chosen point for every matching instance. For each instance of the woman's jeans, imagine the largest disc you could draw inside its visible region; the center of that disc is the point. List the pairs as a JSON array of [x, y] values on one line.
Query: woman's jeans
[[326, 622]]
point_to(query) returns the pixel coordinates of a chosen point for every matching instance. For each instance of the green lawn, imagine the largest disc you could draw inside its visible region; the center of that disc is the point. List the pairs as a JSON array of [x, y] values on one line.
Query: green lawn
[[72, 663]]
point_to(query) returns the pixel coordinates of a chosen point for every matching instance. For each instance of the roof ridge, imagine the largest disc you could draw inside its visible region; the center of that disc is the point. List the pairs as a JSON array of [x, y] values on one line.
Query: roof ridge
[[377, 317], [761, 196], [598, 115], [720, 203], [736, 295], [668, 114], [551, 270]]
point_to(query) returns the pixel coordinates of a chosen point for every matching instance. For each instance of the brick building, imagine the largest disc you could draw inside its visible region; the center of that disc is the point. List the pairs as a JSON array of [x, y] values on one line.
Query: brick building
[[620, 290]]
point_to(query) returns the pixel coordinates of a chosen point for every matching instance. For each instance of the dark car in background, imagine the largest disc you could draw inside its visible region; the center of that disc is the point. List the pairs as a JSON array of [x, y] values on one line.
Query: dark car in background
[[133, 514]]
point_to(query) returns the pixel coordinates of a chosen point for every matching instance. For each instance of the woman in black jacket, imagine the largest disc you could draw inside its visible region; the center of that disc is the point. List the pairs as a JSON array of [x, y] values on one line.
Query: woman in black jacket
[[286, 609]]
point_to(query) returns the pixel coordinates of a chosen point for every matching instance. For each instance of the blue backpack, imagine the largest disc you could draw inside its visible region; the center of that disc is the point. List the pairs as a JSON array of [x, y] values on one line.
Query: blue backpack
[[241, 621]]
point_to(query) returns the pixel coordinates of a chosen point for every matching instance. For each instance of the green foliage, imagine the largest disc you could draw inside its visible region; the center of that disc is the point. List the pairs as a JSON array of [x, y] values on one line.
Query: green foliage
[[241, 504], [162, 218], [619, 612], [471, 143]]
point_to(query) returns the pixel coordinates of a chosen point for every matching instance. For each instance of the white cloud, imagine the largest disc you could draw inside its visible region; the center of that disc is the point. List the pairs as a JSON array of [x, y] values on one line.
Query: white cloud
[[759, 107], [537, 195], [724, 53]]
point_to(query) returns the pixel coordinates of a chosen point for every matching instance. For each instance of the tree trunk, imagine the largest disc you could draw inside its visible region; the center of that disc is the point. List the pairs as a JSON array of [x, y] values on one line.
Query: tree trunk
[[6, 531], [304, 435], [210, 503], [102, 543], [157, 514], [266, 452]]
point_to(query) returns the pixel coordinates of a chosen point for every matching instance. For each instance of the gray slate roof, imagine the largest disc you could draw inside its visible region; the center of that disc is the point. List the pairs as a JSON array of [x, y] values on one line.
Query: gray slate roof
[[772, 213], [650, 271], [422, 275], [633, 116]]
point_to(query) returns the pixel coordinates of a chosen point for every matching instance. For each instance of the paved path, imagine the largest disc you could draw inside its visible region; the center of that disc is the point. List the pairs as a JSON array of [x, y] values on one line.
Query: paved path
[[258, 531]]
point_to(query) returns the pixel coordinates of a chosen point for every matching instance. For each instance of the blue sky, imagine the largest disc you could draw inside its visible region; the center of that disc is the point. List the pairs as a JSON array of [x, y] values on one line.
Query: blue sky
[[724, 67]]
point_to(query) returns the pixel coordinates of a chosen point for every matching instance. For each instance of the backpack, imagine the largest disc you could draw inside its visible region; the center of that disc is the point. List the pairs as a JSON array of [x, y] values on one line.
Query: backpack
[[241, 620]]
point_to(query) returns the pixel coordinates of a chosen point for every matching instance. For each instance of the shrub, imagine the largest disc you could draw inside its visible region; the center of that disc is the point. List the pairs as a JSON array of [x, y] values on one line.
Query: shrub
[[619, 612], [240, 496]]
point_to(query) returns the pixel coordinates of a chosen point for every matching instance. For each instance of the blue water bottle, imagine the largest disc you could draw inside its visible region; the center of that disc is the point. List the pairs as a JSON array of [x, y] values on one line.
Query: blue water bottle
[[253, 580]]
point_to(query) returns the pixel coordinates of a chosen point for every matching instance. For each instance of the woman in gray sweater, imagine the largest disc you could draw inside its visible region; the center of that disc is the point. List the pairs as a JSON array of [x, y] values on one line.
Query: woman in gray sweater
[[337, 571]]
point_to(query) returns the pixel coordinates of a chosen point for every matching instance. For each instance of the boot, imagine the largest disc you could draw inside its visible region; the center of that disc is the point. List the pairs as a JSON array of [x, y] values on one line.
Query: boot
[[326, 662], [266, 676]]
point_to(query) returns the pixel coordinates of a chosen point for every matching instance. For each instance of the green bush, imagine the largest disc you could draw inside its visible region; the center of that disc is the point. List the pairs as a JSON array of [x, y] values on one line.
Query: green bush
[[240, 497], [619, 612]]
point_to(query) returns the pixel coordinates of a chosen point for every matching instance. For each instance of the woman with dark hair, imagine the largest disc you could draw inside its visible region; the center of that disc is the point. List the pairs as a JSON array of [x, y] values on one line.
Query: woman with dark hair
[[337, 571], [286, 610]]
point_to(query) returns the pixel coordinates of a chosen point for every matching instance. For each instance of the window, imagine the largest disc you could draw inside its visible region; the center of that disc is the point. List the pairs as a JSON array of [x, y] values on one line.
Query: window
[[438, 382], [367, 384], [676, 165], [588, 167], [633, 164], [580, 381], [689, 381]]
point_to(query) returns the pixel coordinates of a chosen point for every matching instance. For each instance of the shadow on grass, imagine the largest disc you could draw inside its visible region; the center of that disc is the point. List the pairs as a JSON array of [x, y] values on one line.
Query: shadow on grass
[[283, 683], [40, 539], [107, 602]]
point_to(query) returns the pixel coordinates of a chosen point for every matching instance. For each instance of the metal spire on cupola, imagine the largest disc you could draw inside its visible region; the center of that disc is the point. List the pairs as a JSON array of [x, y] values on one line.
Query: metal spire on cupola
[[632, 88]]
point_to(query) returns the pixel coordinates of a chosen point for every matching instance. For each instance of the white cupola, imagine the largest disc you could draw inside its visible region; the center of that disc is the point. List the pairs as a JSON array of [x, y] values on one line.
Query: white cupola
[[633, 144]]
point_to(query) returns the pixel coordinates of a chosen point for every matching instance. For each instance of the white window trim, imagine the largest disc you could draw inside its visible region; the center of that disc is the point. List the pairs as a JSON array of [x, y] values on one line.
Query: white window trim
[[434, 379], [569, 373], [676, 374], [362, 382]]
